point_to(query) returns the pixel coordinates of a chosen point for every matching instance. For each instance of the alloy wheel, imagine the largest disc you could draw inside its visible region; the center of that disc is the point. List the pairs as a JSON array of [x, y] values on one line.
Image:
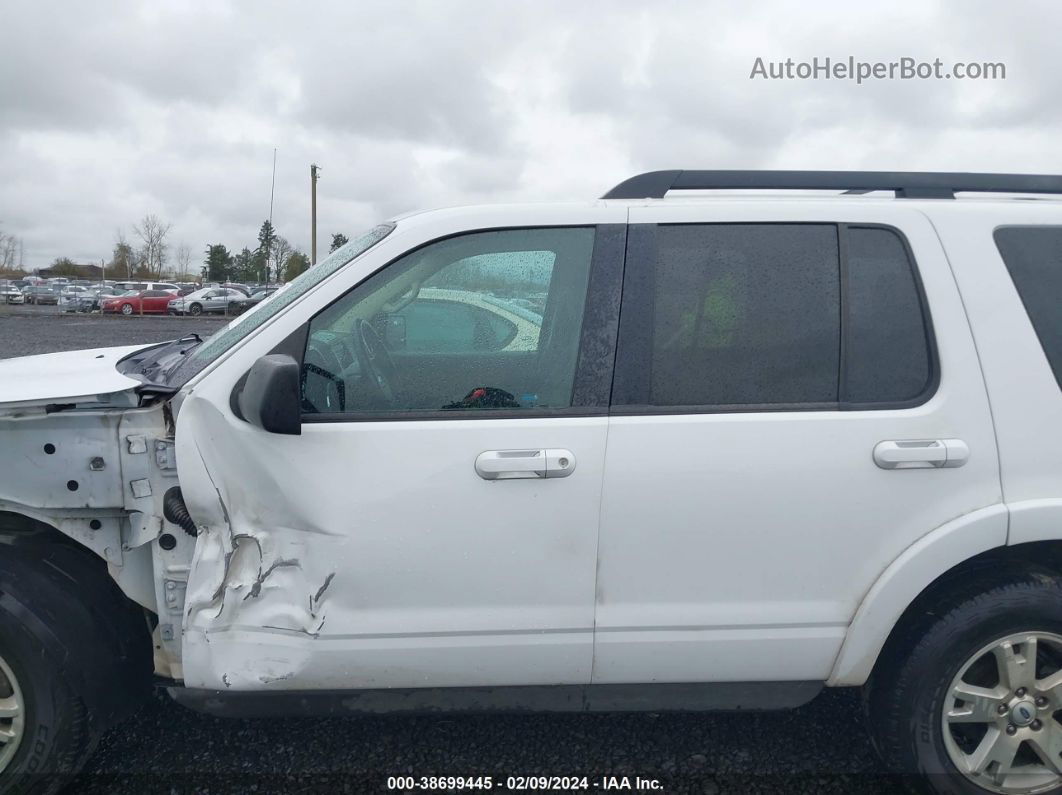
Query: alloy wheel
[[1001, 714], [12, 715]]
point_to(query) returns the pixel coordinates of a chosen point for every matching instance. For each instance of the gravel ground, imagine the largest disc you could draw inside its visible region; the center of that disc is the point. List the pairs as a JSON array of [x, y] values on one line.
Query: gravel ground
[[25, 330], [820, 748]]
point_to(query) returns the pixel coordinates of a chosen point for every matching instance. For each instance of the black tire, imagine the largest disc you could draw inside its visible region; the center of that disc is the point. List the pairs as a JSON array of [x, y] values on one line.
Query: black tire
[[127, 309], [56, 737], [195, 309], [906, 695], [79, 651]]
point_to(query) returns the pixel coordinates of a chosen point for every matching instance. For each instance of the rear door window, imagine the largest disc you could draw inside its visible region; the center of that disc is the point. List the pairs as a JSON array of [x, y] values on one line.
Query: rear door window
[[746, 314], [763, 316]]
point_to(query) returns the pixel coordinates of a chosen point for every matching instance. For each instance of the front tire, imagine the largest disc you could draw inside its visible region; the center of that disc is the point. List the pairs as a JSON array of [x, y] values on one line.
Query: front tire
[[195, 309], [44, 725], [127, 309], [969, 700]]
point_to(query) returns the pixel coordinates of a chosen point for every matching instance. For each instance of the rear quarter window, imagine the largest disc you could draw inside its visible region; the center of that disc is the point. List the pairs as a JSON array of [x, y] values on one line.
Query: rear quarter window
[[1033, 256]]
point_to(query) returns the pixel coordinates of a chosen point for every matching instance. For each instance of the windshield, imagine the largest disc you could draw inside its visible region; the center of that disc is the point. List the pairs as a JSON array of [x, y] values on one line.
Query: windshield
[[238, 329]]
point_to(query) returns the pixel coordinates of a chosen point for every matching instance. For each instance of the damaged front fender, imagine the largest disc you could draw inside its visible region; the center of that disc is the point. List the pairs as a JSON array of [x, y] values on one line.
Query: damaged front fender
[[253, 571]]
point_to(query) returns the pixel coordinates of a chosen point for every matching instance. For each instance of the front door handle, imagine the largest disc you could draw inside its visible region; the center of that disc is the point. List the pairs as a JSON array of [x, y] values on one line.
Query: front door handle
[[921, 454], [513, 464]]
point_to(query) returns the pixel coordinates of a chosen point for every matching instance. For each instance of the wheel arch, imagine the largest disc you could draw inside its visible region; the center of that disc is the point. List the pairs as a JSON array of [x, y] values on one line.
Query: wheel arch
[[910, 576], [110, 676]]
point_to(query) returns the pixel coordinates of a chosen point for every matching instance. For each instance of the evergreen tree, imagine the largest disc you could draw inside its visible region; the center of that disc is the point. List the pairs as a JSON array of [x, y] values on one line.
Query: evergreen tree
[[218, 263], [267, 238], [338, 241], [243, 266]]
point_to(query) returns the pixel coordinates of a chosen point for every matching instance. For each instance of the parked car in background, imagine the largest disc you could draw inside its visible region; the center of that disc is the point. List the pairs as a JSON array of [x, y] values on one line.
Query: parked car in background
[[210, 299], [40, 294], [143, 285], [90, 300], [137, 302], [10, 294], [241, 305], [68, 296]]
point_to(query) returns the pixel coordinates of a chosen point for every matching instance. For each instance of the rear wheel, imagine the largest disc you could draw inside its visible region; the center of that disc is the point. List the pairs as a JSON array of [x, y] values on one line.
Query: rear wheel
[[974, 705]]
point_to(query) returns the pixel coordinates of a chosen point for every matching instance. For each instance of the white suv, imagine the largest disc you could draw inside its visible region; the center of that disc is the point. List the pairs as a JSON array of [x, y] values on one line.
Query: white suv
[[645, 452]]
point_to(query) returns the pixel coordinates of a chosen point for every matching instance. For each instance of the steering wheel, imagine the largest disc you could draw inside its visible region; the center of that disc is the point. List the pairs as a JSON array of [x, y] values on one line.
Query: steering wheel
[[327, 392], [377, 364]]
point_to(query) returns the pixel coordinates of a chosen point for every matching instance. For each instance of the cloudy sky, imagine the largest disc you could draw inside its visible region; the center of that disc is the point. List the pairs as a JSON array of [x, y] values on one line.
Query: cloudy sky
[[110, 110]]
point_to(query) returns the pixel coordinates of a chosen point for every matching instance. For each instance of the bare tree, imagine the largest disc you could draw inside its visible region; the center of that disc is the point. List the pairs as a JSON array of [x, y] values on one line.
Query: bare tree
[[124, 258], [152, 232], [10, 247], [278, 257], [184, 262]]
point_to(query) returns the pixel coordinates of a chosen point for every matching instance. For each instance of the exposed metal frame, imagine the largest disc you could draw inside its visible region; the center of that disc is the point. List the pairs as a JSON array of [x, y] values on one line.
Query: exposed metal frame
[[905, 184]]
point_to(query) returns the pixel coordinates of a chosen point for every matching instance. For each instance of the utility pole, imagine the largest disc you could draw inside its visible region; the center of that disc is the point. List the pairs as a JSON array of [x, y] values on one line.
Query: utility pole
[[272, 185], [313, 213]]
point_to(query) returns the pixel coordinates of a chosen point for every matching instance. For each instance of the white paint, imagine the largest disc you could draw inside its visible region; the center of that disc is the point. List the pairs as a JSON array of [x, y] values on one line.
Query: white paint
[[778, 521], [905, 578], [440, 577], [722, 547], [70, 375], [1026, 399]]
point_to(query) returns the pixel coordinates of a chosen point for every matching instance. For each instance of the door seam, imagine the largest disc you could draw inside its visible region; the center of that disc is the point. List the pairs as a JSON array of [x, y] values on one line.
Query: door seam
[[980, 367]]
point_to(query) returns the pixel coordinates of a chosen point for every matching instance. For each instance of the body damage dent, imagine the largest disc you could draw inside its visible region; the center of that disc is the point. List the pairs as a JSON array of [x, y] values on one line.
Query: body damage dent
[[251, 569]]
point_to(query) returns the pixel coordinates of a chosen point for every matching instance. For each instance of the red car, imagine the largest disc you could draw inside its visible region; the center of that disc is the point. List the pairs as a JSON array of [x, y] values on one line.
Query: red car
[[148, 302]]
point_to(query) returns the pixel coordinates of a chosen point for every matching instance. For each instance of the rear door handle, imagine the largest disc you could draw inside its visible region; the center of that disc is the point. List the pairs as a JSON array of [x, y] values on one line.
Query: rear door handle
[[514, 464], [921, 454]]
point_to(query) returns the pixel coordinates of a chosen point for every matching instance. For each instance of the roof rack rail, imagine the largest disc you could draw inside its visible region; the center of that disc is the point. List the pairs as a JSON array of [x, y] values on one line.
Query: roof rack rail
[[906, 184]]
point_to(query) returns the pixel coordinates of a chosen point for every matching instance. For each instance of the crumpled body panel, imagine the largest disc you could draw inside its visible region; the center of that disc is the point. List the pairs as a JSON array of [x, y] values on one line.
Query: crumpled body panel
[[253, 568]]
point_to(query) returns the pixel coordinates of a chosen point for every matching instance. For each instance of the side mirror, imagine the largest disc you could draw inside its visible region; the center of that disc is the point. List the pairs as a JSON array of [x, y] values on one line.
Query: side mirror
[[270, 395], [395, 332]]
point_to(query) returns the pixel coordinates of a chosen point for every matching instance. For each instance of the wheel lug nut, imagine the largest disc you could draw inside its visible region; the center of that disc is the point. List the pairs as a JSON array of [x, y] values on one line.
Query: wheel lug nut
[[1035, 725], [1041, 701], [1002, 709], [1011, 728], [1019, 692]]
